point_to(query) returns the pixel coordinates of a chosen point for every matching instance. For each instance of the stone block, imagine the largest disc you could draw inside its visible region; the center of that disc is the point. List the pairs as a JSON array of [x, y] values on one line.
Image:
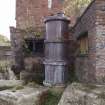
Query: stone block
[[26, 96], [83, 94]]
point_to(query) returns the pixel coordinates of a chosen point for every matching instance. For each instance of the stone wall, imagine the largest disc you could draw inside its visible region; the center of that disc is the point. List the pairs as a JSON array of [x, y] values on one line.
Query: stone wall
[[90, 68], [5, 52], [17, 49], [30, 13], [28, 67]]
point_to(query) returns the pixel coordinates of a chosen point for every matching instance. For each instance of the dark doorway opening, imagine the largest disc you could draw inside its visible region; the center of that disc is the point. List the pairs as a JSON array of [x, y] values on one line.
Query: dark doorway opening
[[36, 46]]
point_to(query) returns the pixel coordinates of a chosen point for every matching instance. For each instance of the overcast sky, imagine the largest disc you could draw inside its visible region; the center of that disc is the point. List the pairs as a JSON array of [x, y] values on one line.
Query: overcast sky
[[7, 16]]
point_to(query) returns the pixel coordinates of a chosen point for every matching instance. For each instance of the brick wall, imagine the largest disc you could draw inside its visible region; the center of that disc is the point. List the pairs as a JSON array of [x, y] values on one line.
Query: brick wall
[[91, 68], [85, 65], [30, 13]]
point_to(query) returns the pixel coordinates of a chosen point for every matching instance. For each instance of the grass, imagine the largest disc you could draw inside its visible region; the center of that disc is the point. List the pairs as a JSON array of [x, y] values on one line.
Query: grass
[[53, 97]]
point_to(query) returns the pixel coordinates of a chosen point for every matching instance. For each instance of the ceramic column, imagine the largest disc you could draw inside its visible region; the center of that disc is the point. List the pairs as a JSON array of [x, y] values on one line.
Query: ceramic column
[[56, 44]]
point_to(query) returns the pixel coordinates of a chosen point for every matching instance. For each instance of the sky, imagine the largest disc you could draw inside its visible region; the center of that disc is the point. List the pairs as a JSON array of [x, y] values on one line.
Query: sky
[[7, 16]]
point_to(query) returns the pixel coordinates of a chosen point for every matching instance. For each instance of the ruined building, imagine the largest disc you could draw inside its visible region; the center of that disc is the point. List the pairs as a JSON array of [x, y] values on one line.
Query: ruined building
[[27, 38], [86, 47]]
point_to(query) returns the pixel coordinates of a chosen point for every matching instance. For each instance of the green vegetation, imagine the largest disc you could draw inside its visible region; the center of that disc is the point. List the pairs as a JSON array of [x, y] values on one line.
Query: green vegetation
[[74, 7], [4, 40], [17, 88], [53, 96], [71, 72], [4, 65]]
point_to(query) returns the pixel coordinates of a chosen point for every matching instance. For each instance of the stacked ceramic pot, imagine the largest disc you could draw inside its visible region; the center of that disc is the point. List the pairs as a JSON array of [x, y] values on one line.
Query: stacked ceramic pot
[[56, 44]]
